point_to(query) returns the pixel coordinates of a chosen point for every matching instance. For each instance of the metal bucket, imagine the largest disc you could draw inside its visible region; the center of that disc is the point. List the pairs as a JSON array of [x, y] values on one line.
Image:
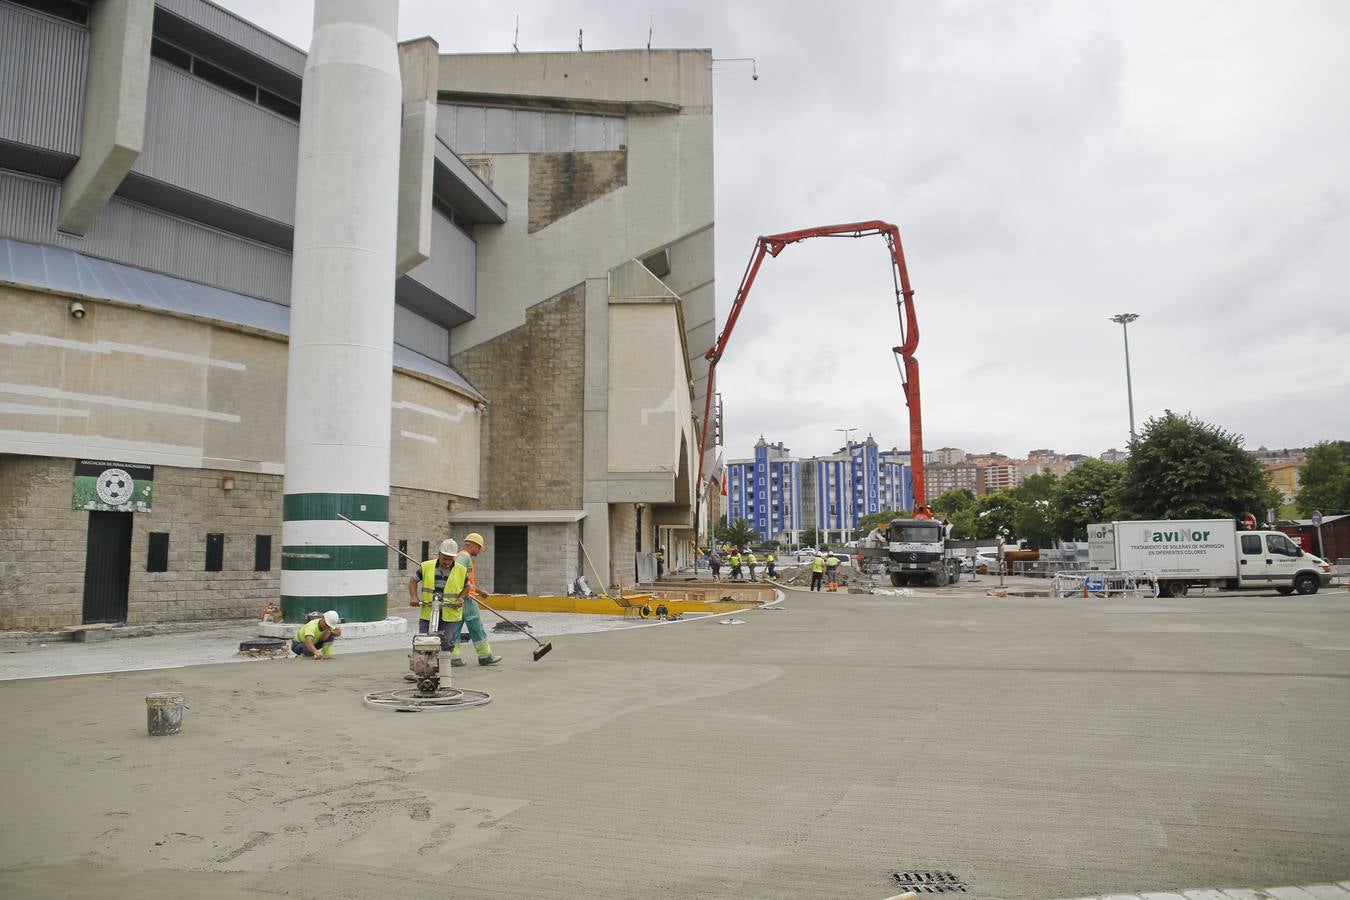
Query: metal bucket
[[164, 713]]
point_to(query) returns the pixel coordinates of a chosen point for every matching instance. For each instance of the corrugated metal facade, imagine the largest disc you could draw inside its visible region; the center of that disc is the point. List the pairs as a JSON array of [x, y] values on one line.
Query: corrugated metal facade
[[42, 72], [234, 29], [452, 269], [126, 232], [205, 140], [421, 334]]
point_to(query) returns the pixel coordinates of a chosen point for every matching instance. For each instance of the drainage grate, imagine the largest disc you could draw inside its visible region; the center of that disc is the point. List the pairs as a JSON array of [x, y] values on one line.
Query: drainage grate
[[930, 882]]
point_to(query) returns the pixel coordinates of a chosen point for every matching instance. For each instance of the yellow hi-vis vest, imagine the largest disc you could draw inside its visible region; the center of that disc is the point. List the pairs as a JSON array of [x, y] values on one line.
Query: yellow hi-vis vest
[[450, 591], [817, 564], [832, 561]]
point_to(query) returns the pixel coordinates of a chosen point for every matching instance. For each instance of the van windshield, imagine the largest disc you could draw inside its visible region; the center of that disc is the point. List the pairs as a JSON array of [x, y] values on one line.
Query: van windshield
[[916, 534]]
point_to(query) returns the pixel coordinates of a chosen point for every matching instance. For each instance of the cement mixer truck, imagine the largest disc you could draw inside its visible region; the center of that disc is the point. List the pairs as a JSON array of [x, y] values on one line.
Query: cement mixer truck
[[917, 553]]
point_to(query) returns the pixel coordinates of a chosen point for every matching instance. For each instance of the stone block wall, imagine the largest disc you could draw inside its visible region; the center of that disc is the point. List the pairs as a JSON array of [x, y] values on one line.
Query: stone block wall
[[42, 544], [622, 540], [555, 558], [561, 183], [533, 378], [189, 504]]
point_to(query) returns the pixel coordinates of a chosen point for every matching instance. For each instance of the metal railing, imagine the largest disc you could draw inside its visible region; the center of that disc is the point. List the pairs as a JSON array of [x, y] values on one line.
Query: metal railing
[[1106, 584]]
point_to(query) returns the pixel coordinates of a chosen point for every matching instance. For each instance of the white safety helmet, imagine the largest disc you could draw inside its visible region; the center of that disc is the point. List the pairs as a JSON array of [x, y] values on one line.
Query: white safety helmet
[[449, 547], [332, 618]]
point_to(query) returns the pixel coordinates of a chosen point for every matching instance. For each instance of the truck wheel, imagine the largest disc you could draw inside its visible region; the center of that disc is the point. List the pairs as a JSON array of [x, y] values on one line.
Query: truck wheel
[[898, 580], [1284, 590], [1176, 589], [1306, 583]]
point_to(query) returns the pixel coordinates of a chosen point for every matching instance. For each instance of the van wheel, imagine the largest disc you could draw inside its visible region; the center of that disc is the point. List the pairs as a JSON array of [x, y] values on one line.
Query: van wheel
[[1306, 583], [1176, 589], [1284, 590]]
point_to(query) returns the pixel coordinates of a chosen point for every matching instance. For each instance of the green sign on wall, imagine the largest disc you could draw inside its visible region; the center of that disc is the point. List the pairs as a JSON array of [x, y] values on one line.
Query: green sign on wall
[[112, 486]]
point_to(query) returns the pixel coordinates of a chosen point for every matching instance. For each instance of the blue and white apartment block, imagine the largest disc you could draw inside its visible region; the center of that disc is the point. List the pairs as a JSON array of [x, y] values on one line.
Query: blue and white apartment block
[[766, 491], [772, 490]]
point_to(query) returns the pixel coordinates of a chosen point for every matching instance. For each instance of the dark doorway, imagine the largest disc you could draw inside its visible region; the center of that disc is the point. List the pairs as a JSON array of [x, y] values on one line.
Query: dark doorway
[[511, 560], [107, 567]]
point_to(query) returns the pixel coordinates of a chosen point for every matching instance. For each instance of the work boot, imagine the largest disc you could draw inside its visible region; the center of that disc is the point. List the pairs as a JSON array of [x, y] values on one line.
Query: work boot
[[408, 676], [457, 661], [490, 660]]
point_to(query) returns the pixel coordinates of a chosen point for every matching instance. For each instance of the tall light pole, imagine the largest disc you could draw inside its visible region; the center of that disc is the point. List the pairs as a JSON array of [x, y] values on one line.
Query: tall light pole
[[848, 444], [1125, 319]]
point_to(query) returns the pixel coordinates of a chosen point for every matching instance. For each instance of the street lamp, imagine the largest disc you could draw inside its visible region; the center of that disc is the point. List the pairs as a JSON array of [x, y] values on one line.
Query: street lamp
[[848, 443], [1124, 319]]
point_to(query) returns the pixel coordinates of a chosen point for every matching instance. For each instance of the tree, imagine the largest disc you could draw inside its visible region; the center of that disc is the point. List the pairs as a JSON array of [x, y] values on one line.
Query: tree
[[810, 538], [996, 514], [1323, 481], [879, 519], [737, 534], [1089, 493], [954, 501], [1182, 468]]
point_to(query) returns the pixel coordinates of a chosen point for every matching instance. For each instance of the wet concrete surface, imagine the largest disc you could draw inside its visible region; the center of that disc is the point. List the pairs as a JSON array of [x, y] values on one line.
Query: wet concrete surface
[[1034, 747]]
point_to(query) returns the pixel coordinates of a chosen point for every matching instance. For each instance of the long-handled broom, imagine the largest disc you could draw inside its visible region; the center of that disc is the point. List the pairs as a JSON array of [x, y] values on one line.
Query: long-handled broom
[[544, 646]]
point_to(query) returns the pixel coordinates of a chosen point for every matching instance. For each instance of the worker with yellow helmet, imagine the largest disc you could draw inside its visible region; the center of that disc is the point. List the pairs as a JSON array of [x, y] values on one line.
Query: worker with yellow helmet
[[473, 545]]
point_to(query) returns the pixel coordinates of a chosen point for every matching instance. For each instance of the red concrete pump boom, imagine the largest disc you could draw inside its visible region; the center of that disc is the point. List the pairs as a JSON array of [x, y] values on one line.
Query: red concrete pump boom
[[772, 245]]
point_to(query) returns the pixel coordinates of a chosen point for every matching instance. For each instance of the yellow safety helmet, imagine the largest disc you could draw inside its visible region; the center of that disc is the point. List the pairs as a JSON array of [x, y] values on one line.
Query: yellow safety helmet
[[476, 538]]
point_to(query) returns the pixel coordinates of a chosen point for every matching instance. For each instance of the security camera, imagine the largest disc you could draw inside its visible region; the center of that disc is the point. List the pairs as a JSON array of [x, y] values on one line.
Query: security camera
[[754, 77], [76, 311]]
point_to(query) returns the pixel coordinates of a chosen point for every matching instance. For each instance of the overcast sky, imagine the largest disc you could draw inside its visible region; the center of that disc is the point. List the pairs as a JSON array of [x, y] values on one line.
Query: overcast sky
[[1049, 164]]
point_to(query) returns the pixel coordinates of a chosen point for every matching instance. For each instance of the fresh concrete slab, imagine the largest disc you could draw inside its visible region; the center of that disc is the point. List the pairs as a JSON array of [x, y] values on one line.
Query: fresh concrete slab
[[1032, 747]]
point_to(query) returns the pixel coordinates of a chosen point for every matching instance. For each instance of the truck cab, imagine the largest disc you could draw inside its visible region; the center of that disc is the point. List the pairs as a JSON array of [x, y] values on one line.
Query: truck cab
[[917, 553], [1271, 559]]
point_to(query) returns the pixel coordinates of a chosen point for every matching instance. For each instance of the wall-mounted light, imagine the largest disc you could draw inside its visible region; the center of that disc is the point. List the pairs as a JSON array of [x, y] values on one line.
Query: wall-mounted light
[[77, 310], [227, 483]]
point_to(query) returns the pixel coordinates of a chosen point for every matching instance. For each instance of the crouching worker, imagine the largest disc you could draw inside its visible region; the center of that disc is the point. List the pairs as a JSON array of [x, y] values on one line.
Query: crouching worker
[[315, 637]]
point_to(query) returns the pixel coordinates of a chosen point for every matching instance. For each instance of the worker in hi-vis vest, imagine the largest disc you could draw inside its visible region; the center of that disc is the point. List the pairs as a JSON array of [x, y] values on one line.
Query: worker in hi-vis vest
[[832, 570], [817, 571], [432, 580], [315, 638], [768, 566], [473, 545], [750, 562]]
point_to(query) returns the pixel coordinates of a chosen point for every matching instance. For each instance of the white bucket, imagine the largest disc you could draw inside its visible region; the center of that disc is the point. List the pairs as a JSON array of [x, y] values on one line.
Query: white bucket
[[164, 713]]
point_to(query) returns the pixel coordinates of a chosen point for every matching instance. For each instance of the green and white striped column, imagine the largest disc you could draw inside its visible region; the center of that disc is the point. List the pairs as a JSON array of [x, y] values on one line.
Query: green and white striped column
[[340, 374]]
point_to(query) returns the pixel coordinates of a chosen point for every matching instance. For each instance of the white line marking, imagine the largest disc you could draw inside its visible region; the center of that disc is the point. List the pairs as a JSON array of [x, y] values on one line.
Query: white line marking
[[29, 390], [19, 339], [667, 406], [436, 413], [27, 409], [420, 437]]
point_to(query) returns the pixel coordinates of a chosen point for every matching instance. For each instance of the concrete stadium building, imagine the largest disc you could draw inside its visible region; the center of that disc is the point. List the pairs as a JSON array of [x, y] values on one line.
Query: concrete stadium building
[[555, 294]]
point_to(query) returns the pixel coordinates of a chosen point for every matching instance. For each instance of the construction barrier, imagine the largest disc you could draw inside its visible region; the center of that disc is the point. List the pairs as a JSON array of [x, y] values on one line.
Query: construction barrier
[[1106, 584]]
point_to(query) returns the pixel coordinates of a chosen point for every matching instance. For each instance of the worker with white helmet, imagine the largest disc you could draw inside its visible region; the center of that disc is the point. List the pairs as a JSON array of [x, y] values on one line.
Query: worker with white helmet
[[436, 578], [473, 545], [315, 637]]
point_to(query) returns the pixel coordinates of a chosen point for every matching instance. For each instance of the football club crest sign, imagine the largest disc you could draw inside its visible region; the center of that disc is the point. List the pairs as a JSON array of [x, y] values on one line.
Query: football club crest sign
[[112, 486]]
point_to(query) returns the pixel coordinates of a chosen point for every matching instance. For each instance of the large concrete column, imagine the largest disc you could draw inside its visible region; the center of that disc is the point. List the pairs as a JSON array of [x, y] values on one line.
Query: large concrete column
[[114, 109], [420, 64], [340, 375]]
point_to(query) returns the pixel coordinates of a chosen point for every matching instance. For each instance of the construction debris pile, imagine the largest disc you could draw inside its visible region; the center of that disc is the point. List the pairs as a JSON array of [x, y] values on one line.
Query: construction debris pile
[[800, 576]]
